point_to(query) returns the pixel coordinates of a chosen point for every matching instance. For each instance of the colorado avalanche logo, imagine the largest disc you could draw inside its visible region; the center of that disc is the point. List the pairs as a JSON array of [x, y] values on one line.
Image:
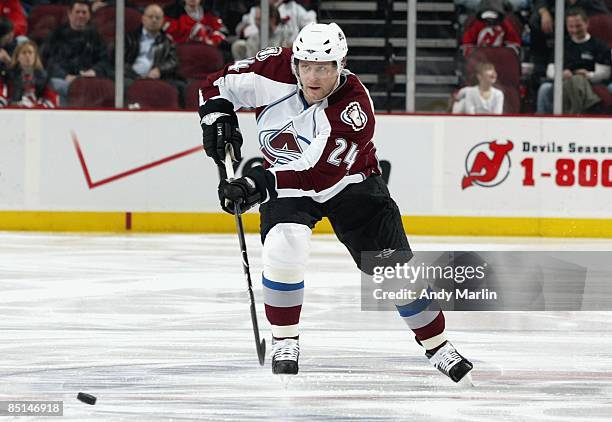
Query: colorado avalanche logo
[[268, 52], [281, 146], [354, 116]]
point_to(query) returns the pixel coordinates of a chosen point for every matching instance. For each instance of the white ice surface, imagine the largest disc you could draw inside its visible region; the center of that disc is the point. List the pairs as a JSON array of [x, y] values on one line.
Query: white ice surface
[[157, 327]]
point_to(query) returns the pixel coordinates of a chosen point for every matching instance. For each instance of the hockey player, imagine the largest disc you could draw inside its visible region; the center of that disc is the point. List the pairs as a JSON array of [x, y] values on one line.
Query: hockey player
[[315, 124]]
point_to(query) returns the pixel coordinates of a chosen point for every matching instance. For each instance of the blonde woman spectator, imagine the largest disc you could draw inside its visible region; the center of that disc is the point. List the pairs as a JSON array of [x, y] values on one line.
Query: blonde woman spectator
[[483, 98], [26, 83]]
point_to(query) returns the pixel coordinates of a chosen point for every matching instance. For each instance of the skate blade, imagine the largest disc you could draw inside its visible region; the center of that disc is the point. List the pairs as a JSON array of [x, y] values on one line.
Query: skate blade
[[285, 379], [466, 382]]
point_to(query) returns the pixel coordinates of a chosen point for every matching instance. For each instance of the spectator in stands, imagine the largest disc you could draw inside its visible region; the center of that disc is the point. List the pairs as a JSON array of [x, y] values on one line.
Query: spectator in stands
[[586, 61], [492, 28], [150, 53], [7, 44], [75, 50], [279, 35], [542, 26], [292, 14], [192, 22], [483, 98], [13, 11], [26, 83]]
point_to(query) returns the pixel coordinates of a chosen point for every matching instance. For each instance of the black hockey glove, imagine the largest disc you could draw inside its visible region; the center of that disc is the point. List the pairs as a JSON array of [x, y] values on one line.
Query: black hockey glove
[[219, 128], [247, 191]]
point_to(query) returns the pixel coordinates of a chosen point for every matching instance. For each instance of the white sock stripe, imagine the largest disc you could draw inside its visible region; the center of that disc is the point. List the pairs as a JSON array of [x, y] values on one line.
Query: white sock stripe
[[284, 275], [433, 342], [279, 331]]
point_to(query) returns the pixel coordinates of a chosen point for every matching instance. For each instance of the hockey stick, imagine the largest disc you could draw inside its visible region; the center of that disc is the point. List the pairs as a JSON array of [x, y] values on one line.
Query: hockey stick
[[260, 345]]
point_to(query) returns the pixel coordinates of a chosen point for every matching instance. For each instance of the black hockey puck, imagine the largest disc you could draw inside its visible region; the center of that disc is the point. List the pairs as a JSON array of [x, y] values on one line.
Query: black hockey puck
[[87, 398]]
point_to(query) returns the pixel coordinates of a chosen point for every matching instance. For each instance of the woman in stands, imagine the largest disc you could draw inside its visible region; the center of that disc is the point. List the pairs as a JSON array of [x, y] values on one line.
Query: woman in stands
[[26, 82]]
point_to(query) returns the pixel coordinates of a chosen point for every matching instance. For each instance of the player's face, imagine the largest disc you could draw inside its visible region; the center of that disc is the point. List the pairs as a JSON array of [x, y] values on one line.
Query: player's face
[[79, 16], [318, 79], [576, 27], [27, 57]]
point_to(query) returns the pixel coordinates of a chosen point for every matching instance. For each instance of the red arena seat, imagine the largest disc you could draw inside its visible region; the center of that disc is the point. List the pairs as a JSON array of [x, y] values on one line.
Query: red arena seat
[[605, 95], [104, 21], [197, 60], [44, 18], [152, 94], [91, 93], [600, 26]]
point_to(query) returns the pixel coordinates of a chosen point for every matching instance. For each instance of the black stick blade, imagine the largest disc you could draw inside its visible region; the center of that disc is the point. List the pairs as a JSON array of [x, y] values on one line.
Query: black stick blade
[[261, 352]]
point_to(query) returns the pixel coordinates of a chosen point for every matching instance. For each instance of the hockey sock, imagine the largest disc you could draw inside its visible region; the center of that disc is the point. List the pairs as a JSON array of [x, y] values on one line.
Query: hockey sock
[[283, 303], [426, 320]]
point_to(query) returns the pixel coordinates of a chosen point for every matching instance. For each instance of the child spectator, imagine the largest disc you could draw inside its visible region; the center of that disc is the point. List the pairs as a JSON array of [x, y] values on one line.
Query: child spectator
[[26, 83], [492, 28], [483, 98]]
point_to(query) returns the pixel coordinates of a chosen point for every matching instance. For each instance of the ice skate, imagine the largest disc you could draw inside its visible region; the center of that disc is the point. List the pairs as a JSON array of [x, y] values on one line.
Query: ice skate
[[285, 354], [448, 361]]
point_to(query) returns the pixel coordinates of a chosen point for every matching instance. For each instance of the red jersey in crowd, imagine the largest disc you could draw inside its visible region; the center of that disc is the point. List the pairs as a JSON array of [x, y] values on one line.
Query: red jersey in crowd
[[13, 11], [481, 34], [27, 90], [206, 29]]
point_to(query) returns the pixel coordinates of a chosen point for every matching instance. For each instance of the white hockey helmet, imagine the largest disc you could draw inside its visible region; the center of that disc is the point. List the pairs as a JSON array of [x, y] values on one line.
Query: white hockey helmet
[[319, 42]]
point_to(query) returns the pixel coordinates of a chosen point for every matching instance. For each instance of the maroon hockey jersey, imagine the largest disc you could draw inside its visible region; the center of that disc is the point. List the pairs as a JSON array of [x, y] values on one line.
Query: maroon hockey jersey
[[313, 151]]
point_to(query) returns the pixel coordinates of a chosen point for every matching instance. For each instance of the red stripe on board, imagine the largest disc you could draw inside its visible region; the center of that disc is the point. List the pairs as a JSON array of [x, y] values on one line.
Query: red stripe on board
[[75, 141], [128, 221], [126, 173]]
